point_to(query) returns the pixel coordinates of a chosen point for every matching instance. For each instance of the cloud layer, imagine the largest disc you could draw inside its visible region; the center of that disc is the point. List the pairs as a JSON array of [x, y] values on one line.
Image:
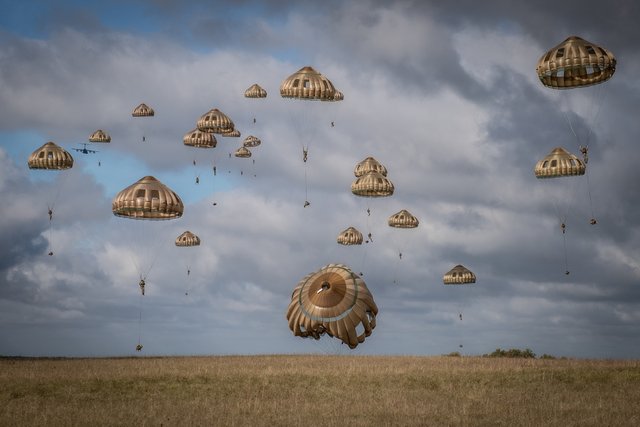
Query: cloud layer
[[448, 101]]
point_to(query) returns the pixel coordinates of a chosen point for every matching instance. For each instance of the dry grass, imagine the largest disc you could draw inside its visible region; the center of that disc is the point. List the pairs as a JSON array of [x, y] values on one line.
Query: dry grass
[[319, 391]]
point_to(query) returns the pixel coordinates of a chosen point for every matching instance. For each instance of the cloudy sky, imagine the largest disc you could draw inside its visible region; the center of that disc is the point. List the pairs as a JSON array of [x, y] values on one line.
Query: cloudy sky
[[445, 96]]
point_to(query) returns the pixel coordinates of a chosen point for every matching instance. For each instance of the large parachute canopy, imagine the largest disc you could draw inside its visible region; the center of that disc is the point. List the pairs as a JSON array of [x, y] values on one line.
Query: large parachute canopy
[[333, 300], [200, 139], [143, 110], [559, 163], [147, 198], [403, 219], [51, 157], [99, 136], [243, 152], [459, 275], [350, 236], [255, 91], [575, 63], [187, 239], [251, 141], [215, 121], [307, 84], [369, 165], [372, 184]]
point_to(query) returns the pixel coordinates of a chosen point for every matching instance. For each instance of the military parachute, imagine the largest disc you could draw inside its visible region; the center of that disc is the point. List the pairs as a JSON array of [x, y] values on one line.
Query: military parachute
[[350, 236], [333, 301], [307, 84], [147, 201], [187, 240], [51, 157], [100, 136], [560, 167], [459, 276], [143, 110]]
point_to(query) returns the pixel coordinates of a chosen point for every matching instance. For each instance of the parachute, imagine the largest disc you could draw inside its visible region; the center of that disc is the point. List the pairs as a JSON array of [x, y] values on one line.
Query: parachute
[[459, 275], [372, 184], [233, 133], [255, 91], [369, 165], [147, 198], [403, 219], [243, 152], [215, 121], [561, 164], [99, 136], [333, 300], [187, 239], [199, 139], [575, 63], [148, 201], [143, 110], [54, 158], [251, 141], [350, 236], [50, 157], [307, 84]]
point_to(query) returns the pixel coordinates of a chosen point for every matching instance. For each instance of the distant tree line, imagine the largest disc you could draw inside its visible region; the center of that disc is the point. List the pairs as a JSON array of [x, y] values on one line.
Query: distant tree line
[[527, 353]]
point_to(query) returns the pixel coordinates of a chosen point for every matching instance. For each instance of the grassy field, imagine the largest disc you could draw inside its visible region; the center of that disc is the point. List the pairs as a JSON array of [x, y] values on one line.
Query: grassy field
[[319, 391]]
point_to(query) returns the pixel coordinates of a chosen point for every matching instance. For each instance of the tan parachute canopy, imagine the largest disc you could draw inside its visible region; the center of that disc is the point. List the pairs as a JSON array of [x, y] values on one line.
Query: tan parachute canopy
[[350, 236], [575, 63], [215, 121], [243, 152], [369, 165], [99, 136], [200, 139], [459, 275], [50, 156], [147, 198], [334, 300], [187, 239], [233, 134], [255, 91], [143, 110], [251, 141], [372, 184], [559, 163], [307, 84], [403, 219]]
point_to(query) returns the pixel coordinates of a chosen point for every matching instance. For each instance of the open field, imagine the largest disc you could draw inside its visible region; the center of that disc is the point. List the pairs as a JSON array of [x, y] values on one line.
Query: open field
[[319, 391]]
